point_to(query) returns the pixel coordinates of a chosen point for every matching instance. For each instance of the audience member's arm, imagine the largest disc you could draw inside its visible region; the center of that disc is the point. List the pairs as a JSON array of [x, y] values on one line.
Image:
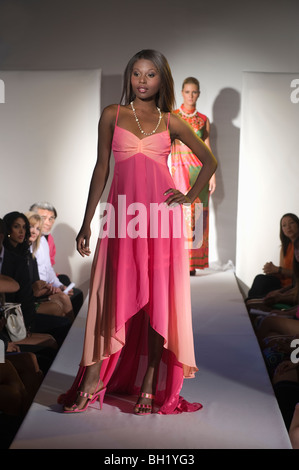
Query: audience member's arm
[[294, 428]]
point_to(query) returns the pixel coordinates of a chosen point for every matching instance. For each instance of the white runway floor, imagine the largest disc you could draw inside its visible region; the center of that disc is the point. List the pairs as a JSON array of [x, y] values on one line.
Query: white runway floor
[[239, 408]]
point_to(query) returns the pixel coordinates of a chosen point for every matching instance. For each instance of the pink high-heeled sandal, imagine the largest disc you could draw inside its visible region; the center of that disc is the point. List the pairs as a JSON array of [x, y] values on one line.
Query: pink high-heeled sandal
[[147, 407], [90, 399]]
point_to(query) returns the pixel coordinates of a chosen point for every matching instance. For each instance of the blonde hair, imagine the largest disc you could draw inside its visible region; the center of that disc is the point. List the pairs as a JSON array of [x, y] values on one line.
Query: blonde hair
[[33, 216], [191, 80]]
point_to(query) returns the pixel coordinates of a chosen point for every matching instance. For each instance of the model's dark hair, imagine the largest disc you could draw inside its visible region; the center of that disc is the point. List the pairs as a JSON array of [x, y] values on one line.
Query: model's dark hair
[[165, 98], [296, 271], [285, 241], [2, 227], [8, 219]]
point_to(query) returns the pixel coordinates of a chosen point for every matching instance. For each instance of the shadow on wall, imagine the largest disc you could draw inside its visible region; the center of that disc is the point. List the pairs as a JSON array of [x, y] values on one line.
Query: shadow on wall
[[65, 241], [225, 138]]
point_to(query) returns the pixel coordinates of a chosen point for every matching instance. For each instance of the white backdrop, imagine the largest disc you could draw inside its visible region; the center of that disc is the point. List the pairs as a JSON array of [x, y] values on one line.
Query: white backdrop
[[48, 143], [268, 168]]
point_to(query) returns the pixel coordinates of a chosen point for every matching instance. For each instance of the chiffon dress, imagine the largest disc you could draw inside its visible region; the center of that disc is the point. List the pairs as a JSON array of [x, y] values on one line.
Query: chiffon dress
[[140, 275]]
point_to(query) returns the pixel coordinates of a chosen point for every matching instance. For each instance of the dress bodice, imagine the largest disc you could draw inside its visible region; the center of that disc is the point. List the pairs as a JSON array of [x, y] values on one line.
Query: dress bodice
[[125, 144]]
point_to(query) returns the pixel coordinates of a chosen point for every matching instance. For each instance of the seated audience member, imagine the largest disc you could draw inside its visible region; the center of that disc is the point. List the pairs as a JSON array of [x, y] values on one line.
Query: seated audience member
[[283, 323], [277, 333], [48, 214], [20, 376], [274, 286], [49, 299], [286, 388], [15, 265]]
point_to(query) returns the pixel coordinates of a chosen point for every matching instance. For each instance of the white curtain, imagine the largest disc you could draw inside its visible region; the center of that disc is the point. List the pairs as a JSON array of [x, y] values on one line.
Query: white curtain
[[48, 143], [269, 168]]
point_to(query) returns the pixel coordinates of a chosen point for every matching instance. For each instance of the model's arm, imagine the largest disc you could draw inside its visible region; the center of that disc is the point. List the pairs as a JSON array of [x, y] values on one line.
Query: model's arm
[[99, 176], [182, 131], [212, 183]]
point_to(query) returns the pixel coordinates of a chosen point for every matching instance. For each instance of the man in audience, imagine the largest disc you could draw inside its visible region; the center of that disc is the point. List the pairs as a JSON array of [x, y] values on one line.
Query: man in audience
[[48, 214]]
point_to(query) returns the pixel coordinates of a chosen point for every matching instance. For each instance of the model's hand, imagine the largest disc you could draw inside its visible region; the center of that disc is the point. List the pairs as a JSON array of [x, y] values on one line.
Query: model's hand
[[212, 184], [176, 197], [82, 240]]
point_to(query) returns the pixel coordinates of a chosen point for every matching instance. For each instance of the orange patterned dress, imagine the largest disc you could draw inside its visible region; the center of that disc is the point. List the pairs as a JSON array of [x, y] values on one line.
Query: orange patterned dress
[[185, 168]]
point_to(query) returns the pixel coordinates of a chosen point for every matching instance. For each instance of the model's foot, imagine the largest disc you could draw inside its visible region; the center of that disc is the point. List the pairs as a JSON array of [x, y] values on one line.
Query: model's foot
[[147, 394], [144, 405], [91, 384]]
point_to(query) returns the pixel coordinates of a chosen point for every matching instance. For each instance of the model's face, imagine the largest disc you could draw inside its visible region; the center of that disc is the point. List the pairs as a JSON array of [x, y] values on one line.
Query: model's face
[[18, 232], [290, 228], [34, 231], [48, 218], [190, 94], [145, 79]]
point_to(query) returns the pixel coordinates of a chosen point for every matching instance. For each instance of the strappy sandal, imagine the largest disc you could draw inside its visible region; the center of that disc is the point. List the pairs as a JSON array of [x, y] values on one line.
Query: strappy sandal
[[90, 399], [148, 408]]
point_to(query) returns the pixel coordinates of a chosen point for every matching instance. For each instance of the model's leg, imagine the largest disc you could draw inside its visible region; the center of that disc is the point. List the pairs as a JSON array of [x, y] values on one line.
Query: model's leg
[[90, 384], [155, 349]]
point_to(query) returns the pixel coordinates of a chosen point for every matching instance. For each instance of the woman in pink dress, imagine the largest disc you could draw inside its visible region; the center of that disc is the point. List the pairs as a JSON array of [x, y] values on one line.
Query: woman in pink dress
[[138, 337]]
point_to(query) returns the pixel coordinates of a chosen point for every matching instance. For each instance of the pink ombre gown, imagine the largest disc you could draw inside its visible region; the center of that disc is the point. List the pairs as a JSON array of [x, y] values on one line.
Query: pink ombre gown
[[139, 278]]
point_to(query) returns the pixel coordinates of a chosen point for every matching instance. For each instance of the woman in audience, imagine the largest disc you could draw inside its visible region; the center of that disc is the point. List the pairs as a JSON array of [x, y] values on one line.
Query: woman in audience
[[278, 335], [16, 237], [24, 235], [284, 322], [275, 286]]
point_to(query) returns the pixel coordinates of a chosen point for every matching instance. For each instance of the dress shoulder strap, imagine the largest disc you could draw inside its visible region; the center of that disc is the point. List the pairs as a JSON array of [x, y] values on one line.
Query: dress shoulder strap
[[118, 107], [168, 120]]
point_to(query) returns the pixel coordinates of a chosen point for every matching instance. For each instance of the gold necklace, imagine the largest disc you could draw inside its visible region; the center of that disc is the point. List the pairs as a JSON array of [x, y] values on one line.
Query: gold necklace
[[138, 123]]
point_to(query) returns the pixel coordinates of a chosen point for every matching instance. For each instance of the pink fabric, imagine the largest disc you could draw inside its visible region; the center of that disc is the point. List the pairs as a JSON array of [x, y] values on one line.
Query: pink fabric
[[139, 280], [52, 248]]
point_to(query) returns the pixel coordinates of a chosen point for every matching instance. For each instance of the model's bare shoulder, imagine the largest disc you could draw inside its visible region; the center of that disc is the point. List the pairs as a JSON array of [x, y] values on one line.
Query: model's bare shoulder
[[108, 117], [176, 124], [109, 112]]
